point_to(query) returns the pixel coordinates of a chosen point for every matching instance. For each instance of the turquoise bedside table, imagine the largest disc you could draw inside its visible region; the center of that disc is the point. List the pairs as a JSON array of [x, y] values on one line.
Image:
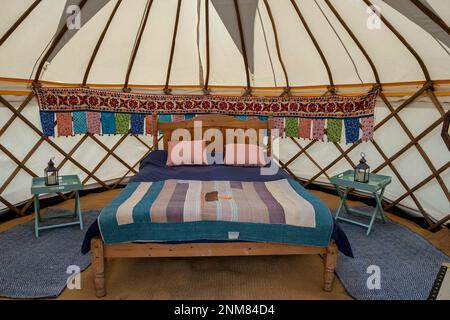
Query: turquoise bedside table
[[66, 184], [345, 182]]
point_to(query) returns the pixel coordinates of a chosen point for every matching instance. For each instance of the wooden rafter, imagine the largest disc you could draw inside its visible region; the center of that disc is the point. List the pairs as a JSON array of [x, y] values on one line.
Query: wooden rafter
[[244, 48], [19, 21], [137, 42], [316, 44], [208, 50], [52, 47], [172, 49], [99, 43], [438, 20], [277, 45]]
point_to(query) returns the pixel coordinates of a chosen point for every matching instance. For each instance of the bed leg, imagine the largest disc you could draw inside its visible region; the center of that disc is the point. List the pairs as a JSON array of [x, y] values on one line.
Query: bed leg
[[330, 262], [98, 263]]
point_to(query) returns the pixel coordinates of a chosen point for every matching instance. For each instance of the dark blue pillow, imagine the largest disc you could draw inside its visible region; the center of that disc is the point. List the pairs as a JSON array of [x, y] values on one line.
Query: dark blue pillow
[[156, 158]]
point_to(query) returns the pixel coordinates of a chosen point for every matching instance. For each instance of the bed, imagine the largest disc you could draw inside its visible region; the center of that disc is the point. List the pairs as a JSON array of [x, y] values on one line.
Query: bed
[[162, 212]]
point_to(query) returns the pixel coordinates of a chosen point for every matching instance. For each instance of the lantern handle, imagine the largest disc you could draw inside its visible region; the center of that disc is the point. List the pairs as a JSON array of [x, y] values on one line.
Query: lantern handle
[[363, 155]]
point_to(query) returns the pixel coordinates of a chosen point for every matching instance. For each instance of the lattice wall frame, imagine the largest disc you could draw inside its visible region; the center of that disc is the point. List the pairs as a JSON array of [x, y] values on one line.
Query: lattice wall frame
[[24, 165]]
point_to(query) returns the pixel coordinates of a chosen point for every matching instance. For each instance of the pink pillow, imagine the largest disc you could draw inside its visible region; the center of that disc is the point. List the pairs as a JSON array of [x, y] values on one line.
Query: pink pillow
[[241, 154], [186, 153]]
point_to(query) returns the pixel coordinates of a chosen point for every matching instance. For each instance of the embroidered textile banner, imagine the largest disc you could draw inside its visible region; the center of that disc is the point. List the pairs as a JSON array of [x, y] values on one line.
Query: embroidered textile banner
[[84, 99]]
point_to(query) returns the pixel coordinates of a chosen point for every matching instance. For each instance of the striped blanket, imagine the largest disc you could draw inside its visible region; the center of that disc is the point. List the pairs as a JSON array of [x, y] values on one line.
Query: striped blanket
[[171, 201]]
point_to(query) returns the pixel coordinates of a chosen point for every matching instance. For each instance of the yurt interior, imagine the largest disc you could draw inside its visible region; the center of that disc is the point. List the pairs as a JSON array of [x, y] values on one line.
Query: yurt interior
[[224, 150]]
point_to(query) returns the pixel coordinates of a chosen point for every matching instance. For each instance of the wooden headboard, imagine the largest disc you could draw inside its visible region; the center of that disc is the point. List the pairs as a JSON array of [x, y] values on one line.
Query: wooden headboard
[[212, 121]]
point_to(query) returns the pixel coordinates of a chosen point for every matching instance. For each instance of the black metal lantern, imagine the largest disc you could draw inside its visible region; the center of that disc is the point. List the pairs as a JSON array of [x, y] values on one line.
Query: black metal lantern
[[51, 174], [362, 170]]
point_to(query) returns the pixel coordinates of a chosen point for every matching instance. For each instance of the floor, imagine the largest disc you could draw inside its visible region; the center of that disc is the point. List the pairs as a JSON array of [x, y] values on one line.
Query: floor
[[295, 277]]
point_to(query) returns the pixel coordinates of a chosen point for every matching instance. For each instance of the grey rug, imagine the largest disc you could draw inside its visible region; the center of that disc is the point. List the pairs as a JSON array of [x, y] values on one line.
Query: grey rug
[[36, 268], [407, 263]]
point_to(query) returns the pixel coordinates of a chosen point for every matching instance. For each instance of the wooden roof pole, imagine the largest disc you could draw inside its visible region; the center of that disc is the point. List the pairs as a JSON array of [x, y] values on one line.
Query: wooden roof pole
[[316, 45], [19, 21], [172, 50], [137, 43], [357, 42], [287, 90], [208, 58], [99, 43], [441, 23], [401, 39], [55, 42], [248, 90]]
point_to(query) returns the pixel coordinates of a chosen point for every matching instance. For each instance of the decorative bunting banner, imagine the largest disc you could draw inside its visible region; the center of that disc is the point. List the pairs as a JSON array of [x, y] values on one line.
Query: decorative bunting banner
[[318, 129], [64, 124], [48, 123], [108, 123], [79, 122], [334, 130], [351, 130], [122, 123], [278, 123], [83, 110], [178, 117], [149, 124], [291, 127], [93, 122], [305, 128], [137, 123], [367, 126]]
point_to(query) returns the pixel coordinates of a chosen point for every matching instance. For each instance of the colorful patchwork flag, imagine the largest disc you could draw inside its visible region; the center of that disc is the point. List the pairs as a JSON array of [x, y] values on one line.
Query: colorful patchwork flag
[[79, 122], [64, 122], [253, 118], [48, 123], [93, 122], [291, 127], [334, 130], [264, 118], [367, 125], [351, 130], [137, 123], [318, 129], [108, 123], [178, 117], [122, 123], [241, 117], [149, 124], [278, 124], [164, 118], [189, 116], [304, 130]]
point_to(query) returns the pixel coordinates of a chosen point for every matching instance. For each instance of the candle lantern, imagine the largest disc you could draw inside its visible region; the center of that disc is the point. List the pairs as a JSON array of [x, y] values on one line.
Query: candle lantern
[[51, 174], [362, 170]]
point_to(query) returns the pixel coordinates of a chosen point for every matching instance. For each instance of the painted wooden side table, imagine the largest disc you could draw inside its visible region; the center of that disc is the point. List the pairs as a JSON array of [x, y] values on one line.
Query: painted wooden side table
[[66, 184], [345, 182]]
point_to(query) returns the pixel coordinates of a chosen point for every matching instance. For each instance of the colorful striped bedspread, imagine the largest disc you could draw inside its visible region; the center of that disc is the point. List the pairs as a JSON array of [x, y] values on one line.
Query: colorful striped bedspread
[[181, 210]]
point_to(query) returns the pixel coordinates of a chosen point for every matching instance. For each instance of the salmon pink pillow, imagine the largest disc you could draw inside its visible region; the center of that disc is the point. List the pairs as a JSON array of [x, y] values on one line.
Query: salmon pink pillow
[[186, 153], [240, 154]]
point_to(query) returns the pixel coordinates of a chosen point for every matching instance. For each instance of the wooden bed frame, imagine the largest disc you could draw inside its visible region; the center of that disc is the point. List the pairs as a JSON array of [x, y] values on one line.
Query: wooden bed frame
[[101, 251]]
